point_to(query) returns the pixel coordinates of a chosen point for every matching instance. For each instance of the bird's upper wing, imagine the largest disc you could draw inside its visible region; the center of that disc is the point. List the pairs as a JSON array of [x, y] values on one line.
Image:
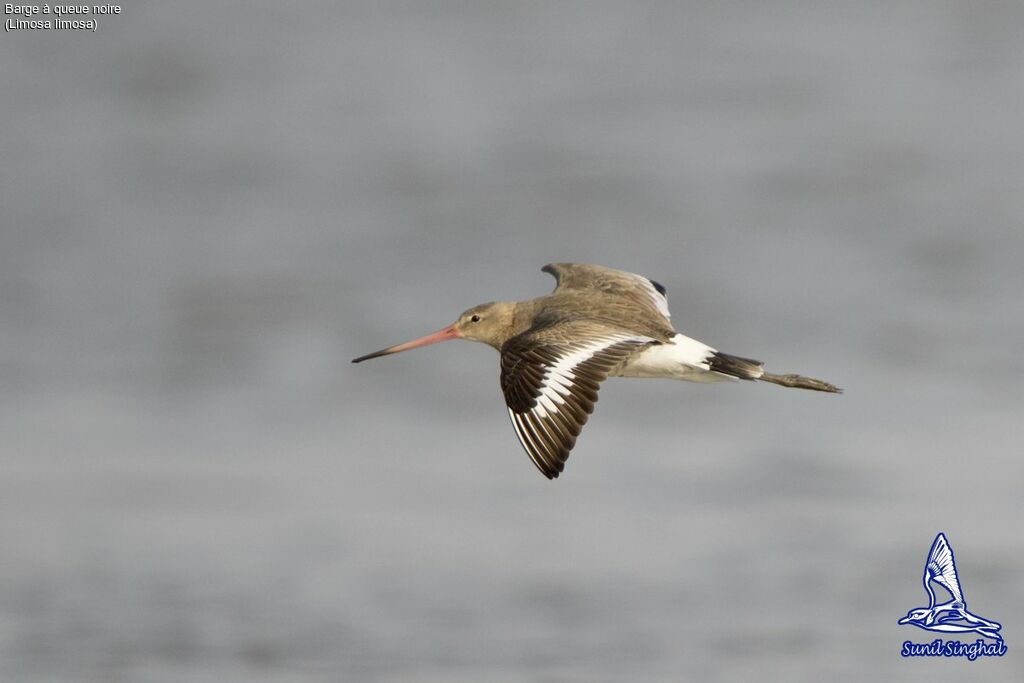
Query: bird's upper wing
[[941, 568], [550, 376], [642, 291]]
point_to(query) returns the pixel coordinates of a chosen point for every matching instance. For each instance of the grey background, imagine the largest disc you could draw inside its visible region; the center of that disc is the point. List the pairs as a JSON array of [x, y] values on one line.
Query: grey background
[[206, 210]]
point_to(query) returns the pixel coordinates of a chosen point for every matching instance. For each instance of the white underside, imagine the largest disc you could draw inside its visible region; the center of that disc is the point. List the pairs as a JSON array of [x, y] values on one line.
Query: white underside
[[681, 358]]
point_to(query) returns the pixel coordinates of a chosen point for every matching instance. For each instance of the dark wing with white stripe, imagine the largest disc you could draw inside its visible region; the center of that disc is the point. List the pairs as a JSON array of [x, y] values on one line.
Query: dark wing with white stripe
[[642, 291], [550, 379], [941, 568]]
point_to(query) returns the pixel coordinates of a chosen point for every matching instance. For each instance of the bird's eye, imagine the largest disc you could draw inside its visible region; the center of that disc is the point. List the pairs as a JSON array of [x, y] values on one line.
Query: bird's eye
[[474, 318]]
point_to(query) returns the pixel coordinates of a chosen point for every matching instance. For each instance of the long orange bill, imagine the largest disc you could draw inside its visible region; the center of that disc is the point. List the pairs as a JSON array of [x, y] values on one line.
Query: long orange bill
[[441, 335]]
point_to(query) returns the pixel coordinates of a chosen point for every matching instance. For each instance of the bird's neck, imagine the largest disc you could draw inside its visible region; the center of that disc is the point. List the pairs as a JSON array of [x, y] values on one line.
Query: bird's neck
[[515, 318], [524, 315]]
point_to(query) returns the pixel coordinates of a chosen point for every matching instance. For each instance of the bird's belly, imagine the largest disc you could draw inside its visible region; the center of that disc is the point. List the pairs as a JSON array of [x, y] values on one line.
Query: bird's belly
[[680, 358]]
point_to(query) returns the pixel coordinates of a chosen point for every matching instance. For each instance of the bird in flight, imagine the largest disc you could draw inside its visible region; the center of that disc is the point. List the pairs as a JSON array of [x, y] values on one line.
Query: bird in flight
[[952, 616], [557, 349]]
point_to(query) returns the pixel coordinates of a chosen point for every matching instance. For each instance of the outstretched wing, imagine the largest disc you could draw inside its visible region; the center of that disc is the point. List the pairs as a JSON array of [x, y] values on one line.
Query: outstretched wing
[[941, 568], [550, 377], [644, 292]]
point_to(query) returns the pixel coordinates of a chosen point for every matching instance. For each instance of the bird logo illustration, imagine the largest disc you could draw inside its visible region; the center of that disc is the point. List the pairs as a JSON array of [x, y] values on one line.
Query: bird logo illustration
[[951, 616]]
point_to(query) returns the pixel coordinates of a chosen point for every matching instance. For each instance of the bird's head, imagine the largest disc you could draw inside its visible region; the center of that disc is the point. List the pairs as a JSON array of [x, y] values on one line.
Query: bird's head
[[916, 616], [488, 323]]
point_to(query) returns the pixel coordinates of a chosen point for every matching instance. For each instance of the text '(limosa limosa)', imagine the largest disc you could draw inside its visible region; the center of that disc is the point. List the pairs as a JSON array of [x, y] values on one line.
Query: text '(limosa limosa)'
[[557, 349]]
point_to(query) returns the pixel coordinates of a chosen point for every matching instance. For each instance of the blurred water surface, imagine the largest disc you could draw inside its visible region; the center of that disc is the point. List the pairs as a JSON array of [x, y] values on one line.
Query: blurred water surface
[[207, 210]]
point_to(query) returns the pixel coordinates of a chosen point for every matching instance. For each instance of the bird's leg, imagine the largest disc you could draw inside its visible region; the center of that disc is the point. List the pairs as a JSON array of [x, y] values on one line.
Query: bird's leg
[[988, 633], [800, 382], [984, 623]]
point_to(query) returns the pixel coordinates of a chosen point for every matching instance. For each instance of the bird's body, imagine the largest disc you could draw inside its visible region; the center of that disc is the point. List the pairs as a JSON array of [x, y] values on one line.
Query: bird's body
[[557, 349]]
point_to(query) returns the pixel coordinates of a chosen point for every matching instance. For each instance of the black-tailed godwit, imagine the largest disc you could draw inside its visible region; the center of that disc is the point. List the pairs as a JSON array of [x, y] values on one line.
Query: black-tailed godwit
[[557, 349]]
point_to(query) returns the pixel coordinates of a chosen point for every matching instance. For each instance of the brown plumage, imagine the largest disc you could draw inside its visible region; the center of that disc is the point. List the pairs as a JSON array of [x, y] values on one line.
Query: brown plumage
[[557, 349]]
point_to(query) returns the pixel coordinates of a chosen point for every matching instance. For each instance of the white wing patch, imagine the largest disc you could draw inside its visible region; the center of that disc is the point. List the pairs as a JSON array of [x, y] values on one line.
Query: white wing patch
[[558, 378]]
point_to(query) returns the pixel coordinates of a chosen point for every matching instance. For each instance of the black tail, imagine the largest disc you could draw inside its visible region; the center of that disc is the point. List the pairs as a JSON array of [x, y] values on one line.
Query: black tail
[[734, 366], [747, 368]]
